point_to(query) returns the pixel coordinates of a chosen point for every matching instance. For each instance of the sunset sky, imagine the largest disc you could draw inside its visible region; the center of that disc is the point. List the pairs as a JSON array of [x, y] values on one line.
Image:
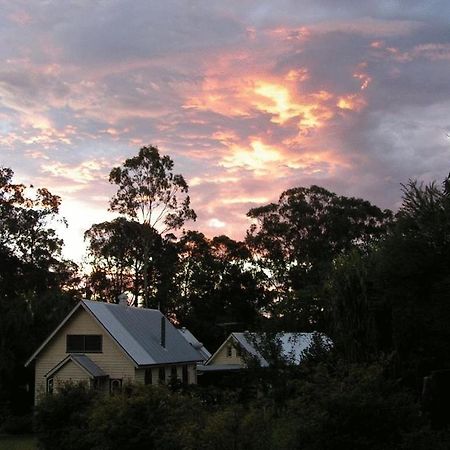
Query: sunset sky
[[249, 98]]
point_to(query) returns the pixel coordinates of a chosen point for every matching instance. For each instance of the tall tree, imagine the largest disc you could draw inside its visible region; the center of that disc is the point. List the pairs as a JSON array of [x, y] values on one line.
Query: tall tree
[[415, 272], [150, 193], [36, 286], [218, 288], [297, 239]]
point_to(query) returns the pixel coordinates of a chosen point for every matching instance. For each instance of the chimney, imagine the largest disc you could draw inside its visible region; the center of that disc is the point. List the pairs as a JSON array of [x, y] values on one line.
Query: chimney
[[123, 299], [163, 331]]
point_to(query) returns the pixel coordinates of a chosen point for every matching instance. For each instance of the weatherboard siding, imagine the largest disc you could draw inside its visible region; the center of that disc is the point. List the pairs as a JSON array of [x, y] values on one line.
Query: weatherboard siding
[[112, 360], [70, 372], [222, 355]]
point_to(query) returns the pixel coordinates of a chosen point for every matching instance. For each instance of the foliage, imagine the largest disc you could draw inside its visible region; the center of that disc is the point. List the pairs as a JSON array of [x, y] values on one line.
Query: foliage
[[415, 276], [36, 285], [150, 193], [326, 405], [144, 417], [61, 421], [218, 288], [297, 239]]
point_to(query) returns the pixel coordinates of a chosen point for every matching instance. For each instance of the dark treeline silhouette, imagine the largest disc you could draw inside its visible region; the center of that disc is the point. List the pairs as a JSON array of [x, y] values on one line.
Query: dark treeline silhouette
[[375, 282]]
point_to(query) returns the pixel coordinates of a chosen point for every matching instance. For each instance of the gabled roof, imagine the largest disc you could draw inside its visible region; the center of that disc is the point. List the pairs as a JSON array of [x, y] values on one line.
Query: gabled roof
[[82, 361], [293, 345], [195, 343], [138, 332]]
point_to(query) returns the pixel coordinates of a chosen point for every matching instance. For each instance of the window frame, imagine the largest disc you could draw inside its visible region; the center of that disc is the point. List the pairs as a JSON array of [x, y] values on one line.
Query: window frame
[[112, 389], [82, 348], [50, 385]]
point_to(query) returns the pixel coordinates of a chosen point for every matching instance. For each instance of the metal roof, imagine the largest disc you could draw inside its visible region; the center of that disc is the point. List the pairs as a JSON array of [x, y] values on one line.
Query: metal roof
[[138, 332], [218, 368], [83, 361], [89, 365], [195, 343], [293, 345]]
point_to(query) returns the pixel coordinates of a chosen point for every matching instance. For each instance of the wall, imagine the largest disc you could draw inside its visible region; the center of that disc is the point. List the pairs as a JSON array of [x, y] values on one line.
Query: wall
[[223, 358], [192, 374], [113, 361]]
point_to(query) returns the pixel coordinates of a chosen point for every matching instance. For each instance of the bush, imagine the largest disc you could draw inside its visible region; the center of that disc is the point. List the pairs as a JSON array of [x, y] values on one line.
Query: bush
[[145, 417], [62, 419]]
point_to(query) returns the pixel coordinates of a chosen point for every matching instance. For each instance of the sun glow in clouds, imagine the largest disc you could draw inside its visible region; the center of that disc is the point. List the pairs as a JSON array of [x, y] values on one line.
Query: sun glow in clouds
[[259, 158]]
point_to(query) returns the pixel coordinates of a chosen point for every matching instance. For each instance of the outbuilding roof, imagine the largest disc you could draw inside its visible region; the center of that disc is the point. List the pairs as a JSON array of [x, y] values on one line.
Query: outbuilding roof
[[292, 345], [138, 332]]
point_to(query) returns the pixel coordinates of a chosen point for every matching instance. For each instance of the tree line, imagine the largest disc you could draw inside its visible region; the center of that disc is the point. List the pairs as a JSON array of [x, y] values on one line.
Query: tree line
[[375, 282]]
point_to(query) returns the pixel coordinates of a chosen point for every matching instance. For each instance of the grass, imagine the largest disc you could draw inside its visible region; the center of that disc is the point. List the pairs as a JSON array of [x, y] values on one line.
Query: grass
[[25, 442]]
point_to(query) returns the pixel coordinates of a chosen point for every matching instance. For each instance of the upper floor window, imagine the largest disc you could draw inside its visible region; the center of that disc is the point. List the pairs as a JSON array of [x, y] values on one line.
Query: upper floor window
[[84, 343], [230, 351]]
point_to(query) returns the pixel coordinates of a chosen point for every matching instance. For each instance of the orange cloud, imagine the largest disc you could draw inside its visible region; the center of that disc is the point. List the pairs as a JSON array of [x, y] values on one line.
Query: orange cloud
[[353, 102]]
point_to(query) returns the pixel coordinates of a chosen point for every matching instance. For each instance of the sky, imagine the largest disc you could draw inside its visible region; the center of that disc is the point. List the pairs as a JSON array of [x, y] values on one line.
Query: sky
[[249, 98]]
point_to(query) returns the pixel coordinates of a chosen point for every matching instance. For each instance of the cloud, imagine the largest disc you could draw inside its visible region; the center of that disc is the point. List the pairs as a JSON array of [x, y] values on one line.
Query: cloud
[[248, 98]]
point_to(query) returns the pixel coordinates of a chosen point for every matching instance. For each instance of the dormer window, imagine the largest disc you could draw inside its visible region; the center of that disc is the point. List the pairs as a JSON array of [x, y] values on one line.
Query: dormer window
[[84, 343]]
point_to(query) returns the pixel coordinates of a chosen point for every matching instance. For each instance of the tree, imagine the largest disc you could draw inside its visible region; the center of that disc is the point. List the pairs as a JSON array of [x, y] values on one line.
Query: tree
[[151, 194], [415, 275], [116, 257], [218, 289], [36, 286], [297, 239]]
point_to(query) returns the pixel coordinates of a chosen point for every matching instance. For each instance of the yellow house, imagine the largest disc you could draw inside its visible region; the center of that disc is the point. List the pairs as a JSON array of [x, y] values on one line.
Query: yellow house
[[106, 345], [235, 351]]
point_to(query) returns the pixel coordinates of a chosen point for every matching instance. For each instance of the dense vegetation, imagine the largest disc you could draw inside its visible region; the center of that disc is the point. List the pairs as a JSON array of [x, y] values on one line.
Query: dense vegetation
[[376, 283]]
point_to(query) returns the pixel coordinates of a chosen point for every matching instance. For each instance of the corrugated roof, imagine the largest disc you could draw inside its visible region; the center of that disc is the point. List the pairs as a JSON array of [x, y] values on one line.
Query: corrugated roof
[[195, 343], [293, 345], [218, 368], [88, 365], [83, 361], [138, 332]]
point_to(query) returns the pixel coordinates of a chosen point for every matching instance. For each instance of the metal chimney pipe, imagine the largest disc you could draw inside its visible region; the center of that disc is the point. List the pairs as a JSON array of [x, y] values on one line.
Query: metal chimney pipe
[[163, 332]]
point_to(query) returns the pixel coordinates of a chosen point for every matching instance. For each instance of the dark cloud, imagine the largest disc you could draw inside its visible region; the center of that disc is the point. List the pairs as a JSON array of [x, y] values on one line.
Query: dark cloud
[[249, 98]]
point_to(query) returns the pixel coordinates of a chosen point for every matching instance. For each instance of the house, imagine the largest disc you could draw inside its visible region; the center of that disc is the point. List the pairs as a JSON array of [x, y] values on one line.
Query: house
[[107, 344], [239, 348]]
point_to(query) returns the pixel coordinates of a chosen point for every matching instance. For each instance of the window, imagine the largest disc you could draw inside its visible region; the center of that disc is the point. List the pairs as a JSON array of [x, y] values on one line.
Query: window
[[84, 343], [49, 385], [185, 374], [115, 385], [173, 373], [162, 375], [229, 351], [148, 376]]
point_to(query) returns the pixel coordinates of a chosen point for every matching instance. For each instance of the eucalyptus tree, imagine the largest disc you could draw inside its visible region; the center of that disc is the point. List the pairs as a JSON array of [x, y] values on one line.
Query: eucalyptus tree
[[148, 192], [218, 289], [297, 239]]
